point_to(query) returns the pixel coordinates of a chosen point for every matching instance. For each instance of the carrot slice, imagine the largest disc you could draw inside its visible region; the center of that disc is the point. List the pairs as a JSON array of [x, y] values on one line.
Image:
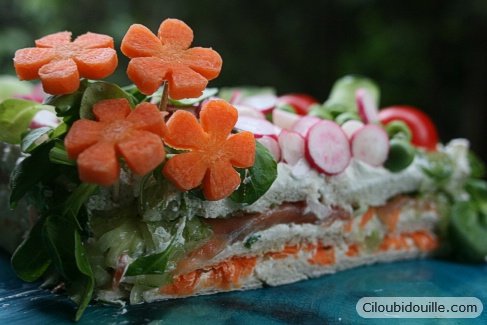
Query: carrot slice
[[82, 135], [148, 118], [107, 111], [99, 165], [213, 152], [424, 241], [27, 62], [220, 180], [95, 63], [139, 41], [54, 40], [119, 131], [93, 41], [59, 77], [167, 57], [175, 33], [323, 255], [186, 171], [201, 60], [59, 63], [367, 216], [143, 151]]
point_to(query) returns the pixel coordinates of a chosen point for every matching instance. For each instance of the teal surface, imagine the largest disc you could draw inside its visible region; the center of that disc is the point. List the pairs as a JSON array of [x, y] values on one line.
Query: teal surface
[[330, 299]]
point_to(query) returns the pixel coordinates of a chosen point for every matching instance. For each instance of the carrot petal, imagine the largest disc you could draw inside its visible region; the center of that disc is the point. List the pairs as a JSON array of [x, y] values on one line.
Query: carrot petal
[[143, 151], [96, 63], [147, 116], [59, 77], [54, 40], [28, 61], [240, 148], [94, 40], [175, 33], [184, 131], [185, 170], [109, 110], [147, 73], [139, 41], [218, 117], [99, 164], [220, 181], [82, 134], [204, 61], [186, 83]]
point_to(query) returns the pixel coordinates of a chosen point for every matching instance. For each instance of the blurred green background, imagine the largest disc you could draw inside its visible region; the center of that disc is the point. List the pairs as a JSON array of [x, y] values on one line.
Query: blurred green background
[[430, 54]]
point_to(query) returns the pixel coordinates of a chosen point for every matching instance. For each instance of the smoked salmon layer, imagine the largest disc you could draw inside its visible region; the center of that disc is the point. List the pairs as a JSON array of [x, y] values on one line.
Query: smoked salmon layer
[[284, 252]]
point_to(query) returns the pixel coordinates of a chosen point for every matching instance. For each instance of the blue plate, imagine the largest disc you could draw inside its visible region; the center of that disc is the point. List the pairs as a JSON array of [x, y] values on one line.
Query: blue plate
[[330, 299]]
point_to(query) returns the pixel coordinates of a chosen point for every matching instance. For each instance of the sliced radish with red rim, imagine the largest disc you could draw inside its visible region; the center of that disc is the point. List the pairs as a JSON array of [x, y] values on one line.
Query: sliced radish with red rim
[[246, 110], [292, 146], [370, 144], [284, 119], [262, 102], [351, 126], [272, 145], [367, 108], [259, 127], [304, 123], [328, 147]]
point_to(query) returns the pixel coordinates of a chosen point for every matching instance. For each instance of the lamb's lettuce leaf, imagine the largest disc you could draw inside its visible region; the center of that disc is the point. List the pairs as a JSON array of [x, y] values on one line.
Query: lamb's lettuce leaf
[[257, 179]]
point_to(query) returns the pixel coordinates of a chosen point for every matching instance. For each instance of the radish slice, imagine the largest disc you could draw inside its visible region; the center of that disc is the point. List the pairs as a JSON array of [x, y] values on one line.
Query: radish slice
[[44, 118], [284, 119], [236, 97], [292, 146], [367, 108], [246, 110], [259, 127], [370, 144], [272, 145], [262, 102], [303, 124], [351, 126], [328, 148]]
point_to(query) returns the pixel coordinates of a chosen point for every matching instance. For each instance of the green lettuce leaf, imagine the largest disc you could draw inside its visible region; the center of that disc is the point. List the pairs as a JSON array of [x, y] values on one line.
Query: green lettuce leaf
[[15, 118], [257, 179], [31, 259]]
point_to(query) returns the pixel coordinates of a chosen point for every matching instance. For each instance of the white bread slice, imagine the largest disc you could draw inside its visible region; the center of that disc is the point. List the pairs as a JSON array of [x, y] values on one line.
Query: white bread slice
[[287, 253]]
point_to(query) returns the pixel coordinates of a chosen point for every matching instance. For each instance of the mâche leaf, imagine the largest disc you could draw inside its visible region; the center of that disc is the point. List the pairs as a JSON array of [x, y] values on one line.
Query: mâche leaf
[[15, 118], [63, 241], [84, 285], [31, 258], [151, 264], [468, 232], [29, 172], [257, 179], [68, 106], [33, 138]]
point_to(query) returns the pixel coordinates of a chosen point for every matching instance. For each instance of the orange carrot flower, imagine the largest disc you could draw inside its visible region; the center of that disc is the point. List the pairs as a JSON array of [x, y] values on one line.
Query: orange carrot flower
[[60, 63], [134, 135], [213, 151], [167, 57]]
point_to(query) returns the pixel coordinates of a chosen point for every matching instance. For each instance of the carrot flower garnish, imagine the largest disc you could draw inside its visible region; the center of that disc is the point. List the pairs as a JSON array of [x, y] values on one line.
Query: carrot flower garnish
[[60, 63], [134, 135], [213, 150], [167, 57]]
